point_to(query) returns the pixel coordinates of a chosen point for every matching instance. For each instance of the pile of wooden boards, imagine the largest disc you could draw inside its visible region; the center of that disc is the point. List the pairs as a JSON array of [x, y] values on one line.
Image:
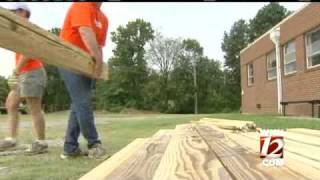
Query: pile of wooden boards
[[208, 150], [19, 35]]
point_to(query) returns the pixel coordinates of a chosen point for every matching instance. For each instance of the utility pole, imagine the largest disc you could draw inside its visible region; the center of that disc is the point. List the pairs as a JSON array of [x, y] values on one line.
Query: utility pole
[[195, 85]]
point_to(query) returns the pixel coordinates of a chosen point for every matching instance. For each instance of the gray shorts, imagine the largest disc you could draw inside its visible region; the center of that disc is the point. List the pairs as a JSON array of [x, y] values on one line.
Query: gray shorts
[[32, 84]]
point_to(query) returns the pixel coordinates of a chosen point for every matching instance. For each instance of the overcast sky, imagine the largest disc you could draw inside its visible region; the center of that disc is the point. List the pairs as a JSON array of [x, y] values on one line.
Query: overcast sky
[[204, 21]]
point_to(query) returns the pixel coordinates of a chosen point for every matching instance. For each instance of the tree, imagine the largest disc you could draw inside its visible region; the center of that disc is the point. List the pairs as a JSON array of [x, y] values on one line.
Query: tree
[[233, 43], [237, 38], [193, 51], [267, 17], [4, 90], [128, 65], [162, 54], [183, 92], [184, 78], [56, 96], [210, 85]]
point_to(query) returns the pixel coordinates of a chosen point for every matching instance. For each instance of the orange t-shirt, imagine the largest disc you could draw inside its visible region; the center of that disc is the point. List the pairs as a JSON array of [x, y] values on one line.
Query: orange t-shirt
[[84, 14], [32, 64]]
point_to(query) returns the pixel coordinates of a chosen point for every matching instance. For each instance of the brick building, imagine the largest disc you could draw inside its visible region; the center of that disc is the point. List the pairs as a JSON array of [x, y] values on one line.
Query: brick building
[[299, 61]]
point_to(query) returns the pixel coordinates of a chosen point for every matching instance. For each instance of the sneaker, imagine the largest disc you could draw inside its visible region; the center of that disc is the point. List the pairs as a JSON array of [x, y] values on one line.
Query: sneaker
[[77, 153], [7, 145], [98, 152], [37, 148]]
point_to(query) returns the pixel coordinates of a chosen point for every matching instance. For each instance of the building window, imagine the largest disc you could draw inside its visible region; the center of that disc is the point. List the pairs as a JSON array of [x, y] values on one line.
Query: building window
[[289, 51], [313, 48], [271, 66], [250, 74]]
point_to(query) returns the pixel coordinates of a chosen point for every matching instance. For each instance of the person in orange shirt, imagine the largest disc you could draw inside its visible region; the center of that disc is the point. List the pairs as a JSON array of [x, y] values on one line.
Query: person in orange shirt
[[27, 83], [85, 26]]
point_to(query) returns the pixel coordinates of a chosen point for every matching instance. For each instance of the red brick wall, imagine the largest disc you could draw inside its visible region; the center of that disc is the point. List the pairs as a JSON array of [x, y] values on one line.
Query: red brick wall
[[302, 85], [262, 92]]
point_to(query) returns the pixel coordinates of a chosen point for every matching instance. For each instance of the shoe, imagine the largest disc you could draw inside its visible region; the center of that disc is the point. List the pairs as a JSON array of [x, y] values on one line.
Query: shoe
[[98, 152], [37, 148], [7, 145], [77, 153]]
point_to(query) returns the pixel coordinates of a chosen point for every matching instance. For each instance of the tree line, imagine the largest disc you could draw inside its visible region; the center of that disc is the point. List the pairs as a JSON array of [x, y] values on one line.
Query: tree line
[[149, 71]]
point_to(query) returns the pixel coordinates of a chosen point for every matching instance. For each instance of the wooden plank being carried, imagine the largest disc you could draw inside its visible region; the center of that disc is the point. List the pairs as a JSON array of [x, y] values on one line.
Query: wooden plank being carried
[[241, 162], [188, 157], [19, 35], [143, 163], [115, 161]]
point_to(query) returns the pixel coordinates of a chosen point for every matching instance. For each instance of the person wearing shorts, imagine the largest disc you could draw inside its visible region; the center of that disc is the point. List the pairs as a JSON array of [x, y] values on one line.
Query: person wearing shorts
[[28, 83]]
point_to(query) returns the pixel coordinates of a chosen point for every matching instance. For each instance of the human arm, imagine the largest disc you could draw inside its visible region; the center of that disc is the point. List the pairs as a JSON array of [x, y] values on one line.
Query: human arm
[[89, 39]]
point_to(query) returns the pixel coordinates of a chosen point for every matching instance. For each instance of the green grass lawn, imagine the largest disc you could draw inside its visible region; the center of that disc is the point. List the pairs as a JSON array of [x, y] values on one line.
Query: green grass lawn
[[116, 131]]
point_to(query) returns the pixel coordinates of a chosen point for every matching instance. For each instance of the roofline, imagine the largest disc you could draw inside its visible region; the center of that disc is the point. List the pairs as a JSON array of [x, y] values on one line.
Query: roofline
[[277, 25]]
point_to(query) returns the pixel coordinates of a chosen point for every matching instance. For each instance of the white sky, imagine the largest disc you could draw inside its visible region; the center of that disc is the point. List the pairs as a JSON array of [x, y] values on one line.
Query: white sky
[[204, 21]]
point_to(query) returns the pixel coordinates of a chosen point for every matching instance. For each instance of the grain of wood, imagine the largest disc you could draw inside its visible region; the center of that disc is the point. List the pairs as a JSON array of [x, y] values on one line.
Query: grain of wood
[[293, 161], [309, 132], [19, 35], [303, 138], [243, 163], [115, 161], [188, 157], [304, 150], [142, 164], [298, 164], [225, 120], [231, 124]]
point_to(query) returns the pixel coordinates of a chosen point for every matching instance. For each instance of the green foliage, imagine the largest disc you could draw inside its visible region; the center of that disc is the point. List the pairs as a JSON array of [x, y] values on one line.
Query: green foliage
[[4, 90], [182, 81], [240, 35], [266, 18], [233, 43], [209, 79], [56, 97], [162, 55], [128, 66]]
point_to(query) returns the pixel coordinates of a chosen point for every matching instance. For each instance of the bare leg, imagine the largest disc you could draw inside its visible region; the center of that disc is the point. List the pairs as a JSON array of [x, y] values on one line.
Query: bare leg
[[12, 104], [34, 105]]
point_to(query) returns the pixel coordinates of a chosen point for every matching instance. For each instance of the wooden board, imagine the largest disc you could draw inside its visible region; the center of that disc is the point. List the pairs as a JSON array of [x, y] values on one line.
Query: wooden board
[[303, 138], [142, 164], [188, 157], [309, 132], [19, 35], [231, 124], [115, 161], [304, 150], [225, 120], [243, 163], [293, 161]]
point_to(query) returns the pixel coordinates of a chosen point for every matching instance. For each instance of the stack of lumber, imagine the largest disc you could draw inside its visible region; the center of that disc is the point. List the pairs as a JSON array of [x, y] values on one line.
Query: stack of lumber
[[208, 150], [234, 125], [19, 35]]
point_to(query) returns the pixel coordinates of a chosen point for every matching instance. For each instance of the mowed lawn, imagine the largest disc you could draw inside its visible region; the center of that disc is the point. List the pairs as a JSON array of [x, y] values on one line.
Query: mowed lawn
[[116, 131]]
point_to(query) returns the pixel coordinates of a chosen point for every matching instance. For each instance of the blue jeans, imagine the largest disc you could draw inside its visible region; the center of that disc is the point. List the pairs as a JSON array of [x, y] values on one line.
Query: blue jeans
[[81, 117]]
